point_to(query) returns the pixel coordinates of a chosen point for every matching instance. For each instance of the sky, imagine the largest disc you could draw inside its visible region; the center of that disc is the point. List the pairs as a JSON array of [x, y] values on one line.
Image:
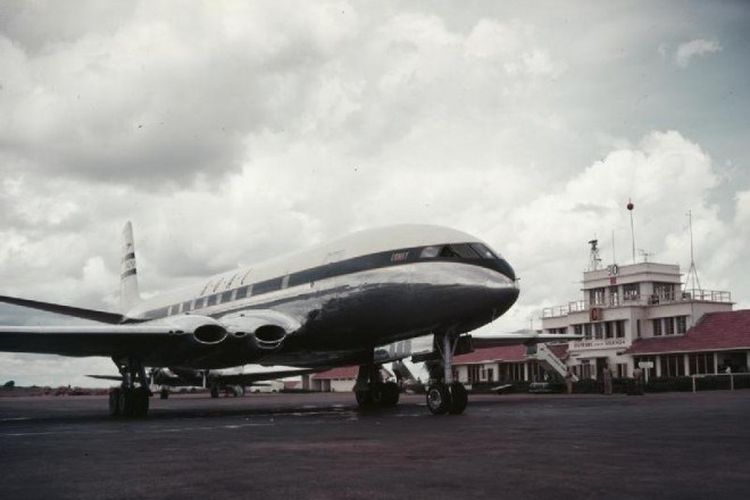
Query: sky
[[231, 132]]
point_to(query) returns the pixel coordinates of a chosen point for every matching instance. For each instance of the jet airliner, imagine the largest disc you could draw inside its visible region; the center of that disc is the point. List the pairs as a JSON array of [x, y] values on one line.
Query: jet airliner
[[327, 306]]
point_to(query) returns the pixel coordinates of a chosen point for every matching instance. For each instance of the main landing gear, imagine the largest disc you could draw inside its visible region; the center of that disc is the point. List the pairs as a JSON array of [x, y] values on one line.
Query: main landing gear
[[130, 400], [447, 396], [370, 390]]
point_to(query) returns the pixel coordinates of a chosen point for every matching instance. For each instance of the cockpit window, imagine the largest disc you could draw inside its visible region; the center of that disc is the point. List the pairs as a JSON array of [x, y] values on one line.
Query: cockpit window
[[429, 252], [460, 251], [484, 251], [465, 251]]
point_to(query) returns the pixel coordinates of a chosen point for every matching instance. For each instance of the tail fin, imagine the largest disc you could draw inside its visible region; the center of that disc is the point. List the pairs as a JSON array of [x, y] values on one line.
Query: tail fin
[[129, 295]]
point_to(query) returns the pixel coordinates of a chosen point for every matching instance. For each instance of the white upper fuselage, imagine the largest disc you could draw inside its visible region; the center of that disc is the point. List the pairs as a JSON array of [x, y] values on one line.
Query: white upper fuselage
[[358, 244]]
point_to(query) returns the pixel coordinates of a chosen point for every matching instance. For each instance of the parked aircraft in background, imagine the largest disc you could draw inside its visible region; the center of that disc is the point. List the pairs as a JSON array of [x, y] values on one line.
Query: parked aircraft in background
[[327, 306]]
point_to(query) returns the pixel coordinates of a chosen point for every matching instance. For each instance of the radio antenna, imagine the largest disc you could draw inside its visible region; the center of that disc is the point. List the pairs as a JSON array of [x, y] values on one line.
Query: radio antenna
[[692, 276]]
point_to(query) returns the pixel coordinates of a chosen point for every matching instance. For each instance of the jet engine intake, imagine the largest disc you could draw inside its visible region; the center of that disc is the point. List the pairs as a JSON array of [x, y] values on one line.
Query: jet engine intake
[[266, 329]]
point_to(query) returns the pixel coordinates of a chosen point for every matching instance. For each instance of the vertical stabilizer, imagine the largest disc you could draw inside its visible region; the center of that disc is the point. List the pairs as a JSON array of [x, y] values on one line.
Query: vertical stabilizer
[[129, 295]]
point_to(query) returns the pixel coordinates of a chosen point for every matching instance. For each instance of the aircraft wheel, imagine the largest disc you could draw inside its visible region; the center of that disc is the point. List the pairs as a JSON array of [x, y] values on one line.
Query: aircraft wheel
[[214, 391], [364, 398], [164, 393], [140, 401], [391, 393], [127, 406], [114, 402], [459, 398], [438, 399]]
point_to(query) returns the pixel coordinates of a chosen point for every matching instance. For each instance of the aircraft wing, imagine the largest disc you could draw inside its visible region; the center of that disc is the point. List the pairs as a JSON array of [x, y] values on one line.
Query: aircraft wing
[[111, 340], [480, 340], [77, 312]]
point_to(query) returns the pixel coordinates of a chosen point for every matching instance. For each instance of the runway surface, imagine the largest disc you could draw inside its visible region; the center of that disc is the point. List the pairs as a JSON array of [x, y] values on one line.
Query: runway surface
[[675, 445]]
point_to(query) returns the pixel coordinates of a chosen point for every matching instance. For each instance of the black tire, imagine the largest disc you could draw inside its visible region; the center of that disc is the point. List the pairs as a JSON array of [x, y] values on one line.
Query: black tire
[[391, 393], [164, 393], [364, 398], [438, 399], [140, 402], [459, 398], [214, 391], [114, 402], [127, 403]]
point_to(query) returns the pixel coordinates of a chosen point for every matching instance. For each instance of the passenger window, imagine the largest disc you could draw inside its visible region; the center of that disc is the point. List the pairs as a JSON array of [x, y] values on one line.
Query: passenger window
[[186, 306], [226, 296], [211, 300], [285, 281], [241, 293]]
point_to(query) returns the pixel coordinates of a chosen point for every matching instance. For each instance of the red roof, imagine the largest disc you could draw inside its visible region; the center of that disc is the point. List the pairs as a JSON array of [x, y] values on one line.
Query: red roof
[[342, 372], [717, 331], [507, 354], [492, 354]]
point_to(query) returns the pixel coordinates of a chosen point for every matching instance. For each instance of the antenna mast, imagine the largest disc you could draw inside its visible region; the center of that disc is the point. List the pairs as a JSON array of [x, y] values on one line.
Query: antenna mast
[[692, 276], [594, 259], [630, 207]]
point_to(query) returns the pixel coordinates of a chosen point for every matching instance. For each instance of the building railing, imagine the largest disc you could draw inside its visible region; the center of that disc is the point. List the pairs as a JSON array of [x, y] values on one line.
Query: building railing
[[558, 311], [696, 294]]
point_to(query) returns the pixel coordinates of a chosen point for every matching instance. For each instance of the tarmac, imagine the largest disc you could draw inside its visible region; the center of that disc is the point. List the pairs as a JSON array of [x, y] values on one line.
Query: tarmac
[[675, 445]]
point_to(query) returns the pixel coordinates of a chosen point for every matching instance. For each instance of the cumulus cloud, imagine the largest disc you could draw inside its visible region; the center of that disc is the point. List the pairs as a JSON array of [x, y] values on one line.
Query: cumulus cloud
[[699, 47], [237, 133]]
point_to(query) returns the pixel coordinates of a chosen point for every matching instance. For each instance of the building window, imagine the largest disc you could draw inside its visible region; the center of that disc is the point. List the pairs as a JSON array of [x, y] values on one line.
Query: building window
[[622, 370], [657, 327], [681, 324], [490, 375], [598, 333], [473, 371], [664, 291], [638, 327], [701, 363], [609, 328], [631, 291], [620, 329], [672, 365], [587, 331], [614, 297], [668, 326], [578, 329], [596, 296], [585, 369]]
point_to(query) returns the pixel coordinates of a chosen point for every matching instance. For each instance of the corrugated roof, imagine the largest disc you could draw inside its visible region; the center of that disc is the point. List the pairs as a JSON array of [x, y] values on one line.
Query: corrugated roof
[[714, 332]]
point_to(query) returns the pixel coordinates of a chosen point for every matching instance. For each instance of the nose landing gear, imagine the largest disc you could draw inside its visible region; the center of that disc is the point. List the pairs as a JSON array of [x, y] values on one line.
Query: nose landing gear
[[447, 395]]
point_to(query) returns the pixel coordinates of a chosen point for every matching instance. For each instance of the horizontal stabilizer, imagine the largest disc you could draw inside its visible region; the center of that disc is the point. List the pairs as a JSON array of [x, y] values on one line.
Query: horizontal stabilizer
[[76, 312]]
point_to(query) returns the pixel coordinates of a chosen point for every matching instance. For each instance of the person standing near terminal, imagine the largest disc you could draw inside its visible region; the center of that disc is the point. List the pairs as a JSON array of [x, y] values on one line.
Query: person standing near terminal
[[569, 381], [607, 379], [638, 381]]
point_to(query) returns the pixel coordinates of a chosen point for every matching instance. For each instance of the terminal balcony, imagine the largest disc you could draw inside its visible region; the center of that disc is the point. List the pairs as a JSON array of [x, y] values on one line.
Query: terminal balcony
[[695, 295]]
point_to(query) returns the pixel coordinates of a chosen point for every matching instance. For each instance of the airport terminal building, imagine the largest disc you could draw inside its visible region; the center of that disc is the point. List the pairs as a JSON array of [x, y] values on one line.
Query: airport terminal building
[[628, 314]]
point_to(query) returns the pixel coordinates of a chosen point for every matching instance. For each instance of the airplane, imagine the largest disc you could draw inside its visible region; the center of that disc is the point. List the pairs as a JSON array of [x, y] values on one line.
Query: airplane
[[326, 306]]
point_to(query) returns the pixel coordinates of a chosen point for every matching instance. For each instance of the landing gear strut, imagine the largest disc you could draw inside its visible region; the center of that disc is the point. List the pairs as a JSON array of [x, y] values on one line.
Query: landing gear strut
[[447, 395], [130, 400], [372, 392]]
